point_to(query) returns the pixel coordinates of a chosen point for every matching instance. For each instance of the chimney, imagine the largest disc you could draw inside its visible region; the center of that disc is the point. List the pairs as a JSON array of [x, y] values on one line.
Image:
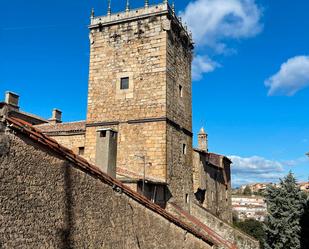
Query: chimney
[[106, 150], [203, 140], [12, 99], [56, 117]]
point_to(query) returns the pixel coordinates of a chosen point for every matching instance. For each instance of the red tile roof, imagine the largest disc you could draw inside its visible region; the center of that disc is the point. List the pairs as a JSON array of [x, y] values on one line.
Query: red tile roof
[[213, 158], [82, 164]]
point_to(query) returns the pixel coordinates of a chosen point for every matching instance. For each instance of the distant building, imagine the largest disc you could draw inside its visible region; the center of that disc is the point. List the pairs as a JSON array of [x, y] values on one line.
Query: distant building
[[259, 188], [249, 207], [304, 186], [254, 187]]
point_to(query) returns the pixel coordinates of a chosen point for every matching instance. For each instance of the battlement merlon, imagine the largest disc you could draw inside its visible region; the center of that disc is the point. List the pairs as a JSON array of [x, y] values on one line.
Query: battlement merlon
[[141, 13]]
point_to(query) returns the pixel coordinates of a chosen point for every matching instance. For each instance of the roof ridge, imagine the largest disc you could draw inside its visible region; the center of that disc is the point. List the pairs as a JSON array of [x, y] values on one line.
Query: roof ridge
[[63, 123], [33, 115]]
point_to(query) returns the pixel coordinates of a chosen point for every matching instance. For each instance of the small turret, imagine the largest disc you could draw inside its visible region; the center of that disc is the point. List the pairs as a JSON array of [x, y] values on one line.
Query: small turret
[[203, 140]]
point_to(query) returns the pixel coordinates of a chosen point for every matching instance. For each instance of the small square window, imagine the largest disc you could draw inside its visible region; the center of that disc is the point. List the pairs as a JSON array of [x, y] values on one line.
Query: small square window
[[184, 149], [180, 91], [124, 83], [81, 151], [103, 134]]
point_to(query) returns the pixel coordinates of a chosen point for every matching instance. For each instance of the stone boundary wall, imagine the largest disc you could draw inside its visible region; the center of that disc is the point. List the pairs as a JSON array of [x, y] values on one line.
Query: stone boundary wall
[[47, 201], [224, 229]]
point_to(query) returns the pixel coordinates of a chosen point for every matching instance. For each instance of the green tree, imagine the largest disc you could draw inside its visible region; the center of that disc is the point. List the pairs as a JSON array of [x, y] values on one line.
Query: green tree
[[253, 228], [247, 191], [304, 223], [285, 206]]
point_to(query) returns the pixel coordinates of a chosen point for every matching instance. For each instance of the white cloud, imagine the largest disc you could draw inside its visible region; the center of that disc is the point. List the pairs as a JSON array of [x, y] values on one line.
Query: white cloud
[[202, 64], [292, 77], [255, 169], [213, 21], [297, 161]]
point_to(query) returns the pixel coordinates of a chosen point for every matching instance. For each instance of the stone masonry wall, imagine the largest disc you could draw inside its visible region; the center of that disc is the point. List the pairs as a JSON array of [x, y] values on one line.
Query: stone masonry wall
[[179, 167], [218, 194], [227, 231], [198, 173], [74, 142], [136, 49], [153, 53], [45, 202], [147, 139], [179, 110], [179, 59], [226, 206]]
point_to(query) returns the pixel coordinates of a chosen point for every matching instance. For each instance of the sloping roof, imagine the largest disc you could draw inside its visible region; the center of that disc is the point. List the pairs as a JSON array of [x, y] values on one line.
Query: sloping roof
[[130, 175], [213, 158], [192, 219], [28, 117], [82, 164], [33, 116], [61, 128], [202, 131]]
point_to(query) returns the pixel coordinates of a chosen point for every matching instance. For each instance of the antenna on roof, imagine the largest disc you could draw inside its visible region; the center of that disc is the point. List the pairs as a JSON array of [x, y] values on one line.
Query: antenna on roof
[[173, 6], [109, 9], [128, 6], [92, 13]]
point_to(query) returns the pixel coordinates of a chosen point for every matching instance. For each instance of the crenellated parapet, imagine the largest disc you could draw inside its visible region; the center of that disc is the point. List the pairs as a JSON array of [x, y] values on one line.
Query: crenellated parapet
[[148, 11]]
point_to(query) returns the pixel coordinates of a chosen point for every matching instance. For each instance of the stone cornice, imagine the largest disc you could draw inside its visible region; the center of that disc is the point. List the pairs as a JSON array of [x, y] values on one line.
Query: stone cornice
[[136, 14], [144, 120]]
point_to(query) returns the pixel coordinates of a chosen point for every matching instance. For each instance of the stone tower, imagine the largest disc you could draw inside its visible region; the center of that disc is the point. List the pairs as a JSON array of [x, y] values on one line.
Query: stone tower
[[203, 140], [140, 87]]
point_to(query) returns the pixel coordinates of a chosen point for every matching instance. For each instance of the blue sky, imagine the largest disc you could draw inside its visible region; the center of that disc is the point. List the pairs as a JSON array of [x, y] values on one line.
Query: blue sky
[[251, 73]]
